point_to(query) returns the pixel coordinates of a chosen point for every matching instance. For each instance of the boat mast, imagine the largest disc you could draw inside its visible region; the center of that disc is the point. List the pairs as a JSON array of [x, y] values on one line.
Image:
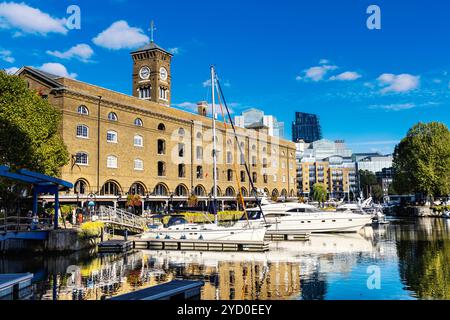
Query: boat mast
[[213, 87]]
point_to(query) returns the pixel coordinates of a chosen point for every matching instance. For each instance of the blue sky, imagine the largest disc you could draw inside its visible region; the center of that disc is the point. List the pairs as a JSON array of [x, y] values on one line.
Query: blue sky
[[367, 86]]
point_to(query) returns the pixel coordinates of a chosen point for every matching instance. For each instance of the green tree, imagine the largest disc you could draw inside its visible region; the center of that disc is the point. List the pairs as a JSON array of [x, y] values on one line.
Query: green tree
[[29, 136], [320, 192], [422, 160], [367, 181], [377, 193]]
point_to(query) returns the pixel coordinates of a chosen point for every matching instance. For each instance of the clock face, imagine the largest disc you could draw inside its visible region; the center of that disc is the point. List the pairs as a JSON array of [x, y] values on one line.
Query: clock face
[[144, 73], [163, 73]]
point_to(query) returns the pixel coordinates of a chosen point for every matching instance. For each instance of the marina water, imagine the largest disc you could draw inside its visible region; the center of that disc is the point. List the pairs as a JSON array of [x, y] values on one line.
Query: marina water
[[406, 259]]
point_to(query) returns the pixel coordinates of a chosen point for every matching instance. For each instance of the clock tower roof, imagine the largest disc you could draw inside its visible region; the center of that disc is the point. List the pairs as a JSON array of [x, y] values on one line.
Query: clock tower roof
[[150, 47]]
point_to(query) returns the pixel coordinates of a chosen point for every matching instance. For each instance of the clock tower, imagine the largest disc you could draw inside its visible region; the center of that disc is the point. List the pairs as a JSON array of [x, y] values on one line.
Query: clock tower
[[151, 73]]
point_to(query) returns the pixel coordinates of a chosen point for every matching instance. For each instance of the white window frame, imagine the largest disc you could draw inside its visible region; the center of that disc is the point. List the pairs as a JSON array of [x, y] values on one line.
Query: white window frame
[[87, 131], [112, 116], [139, 168], [114, 133], [81, 108], [87, 158], [111, 162], [140, 138]]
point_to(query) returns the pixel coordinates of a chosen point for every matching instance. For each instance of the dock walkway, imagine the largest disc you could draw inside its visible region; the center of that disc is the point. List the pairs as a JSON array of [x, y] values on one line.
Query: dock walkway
[[15, 286], [174, 290], [201, 245]]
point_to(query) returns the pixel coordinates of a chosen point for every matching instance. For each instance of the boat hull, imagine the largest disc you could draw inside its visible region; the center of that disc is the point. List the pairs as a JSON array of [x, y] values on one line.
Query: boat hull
[[253, 233], [316, 224]]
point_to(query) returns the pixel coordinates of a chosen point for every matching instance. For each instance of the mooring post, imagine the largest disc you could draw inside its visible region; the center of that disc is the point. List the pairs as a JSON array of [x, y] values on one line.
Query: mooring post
[[102, 235]]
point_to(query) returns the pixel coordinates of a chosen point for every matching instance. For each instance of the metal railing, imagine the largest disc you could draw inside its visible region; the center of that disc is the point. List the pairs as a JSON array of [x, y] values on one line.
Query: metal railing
[[18, 223], [120, 217]]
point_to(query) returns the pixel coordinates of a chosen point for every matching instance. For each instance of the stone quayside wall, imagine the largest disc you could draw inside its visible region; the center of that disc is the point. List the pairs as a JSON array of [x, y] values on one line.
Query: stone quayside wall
[[59, 241]]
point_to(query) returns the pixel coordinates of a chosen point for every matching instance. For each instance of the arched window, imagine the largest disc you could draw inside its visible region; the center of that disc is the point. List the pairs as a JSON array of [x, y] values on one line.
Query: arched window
[[254, 177], [111, 136], [161, 127], [137, 188], [254, 162], [161, 190], [229, 157], [181, 191], [83, 110], [275, 193], [230, 175], [229, 192], [284, 193], [242, 176], [254, 147], [138, 164], [292, 193], [244, 192], [199, 136], [219, 191], [82, 131], [266, 191], [161, 169], [199, 152], [181, 150], [199, 172], [81, 158], [181, 132], [138, 141], [161, 146], [265, 178], [110, 188], [200, 191], [181, 170], [111, 162], [264, 163], [112, 116], [81, 186], [138, 122]]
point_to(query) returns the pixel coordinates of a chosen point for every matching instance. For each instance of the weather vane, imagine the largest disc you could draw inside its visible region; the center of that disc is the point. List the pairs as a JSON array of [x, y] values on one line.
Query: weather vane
[[152, 30]]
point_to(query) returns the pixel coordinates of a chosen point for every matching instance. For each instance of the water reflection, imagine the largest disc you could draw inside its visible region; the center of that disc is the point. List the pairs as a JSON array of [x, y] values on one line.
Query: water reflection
[[413, 255]]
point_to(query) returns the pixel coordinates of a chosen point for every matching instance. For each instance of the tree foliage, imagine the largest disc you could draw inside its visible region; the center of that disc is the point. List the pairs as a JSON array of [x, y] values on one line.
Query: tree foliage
[[422, 160], [29, 136], [368, 181], [320, 192]]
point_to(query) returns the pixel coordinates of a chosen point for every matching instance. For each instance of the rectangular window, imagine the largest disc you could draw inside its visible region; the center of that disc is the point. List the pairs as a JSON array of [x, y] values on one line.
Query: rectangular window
[[199, 152], [229, 157], [138, 141], [138, 165], [82, 131], [111, 136], [181, 150], [111, 162]]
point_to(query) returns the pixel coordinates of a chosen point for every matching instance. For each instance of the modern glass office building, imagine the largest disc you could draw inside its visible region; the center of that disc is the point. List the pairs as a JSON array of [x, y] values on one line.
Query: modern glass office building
[[306, 127]]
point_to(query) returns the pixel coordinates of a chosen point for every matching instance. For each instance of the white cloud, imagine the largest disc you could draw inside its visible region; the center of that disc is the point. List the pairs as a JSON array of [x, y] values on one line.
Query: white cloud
[[394, 107], [29, 20], [192, 107], [316, 73], [347, 76], [175, 50], [121, 36], [324, 61], [57, 69], [11, 70], [81, 52], [207, 83], [398, 83], [6, 56]]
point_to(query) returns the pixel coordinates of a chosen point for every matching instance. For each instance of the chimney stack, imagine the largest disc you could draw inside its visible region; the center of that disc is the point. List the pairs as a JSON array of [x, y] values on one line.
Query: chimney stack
[[202, 108]]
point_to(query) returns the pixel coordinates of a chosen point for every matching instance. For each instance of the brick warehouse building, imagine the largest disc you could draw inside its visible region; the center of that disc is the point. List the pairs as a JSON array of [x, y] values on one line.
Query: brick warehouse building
[[121, 144]]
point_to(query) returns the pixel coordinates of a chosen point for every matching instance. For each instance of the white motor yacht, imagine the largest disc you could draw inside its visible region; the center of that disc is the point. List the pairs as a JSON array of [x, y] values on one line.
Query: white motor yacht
[[294, 218]]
